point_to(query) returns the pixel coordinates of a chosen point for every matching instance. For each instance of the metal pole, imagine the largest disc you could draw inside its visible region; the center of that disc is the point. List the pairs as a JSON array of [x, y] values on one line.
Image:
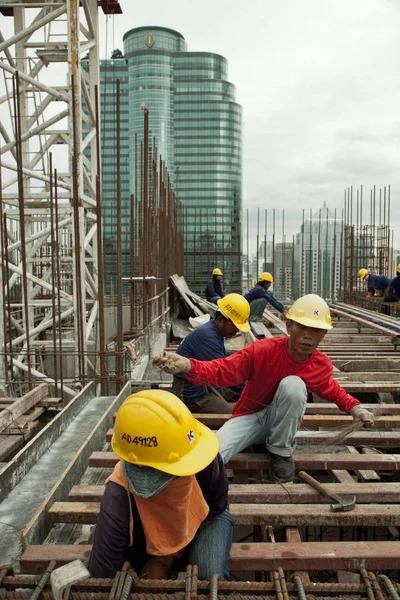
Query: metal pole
[[53, 269], [59, 284], [21, 204], [120, 325]]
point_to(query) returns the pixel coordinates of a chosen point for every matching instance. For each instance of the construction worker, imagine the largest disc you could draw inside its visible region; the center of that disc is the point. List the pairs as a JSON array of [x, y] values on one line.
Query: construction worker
[[168, 495], [278, 373], [394, 288], [207, 343], [258, 297], [376, 283], [214, 287]]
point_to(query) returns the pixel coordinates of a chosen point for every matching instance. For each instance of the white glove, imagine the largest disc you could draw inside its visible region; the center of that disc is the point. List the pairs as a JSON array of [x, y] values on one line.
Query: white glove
[[362, 414], [172, 363]]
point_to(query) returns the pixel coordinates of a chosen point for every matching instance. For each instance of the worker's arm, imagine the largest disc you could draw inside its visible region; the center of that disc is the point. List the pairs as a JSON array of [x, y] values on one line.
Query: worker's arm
[[112, 535], [274, 302], [221, 372]]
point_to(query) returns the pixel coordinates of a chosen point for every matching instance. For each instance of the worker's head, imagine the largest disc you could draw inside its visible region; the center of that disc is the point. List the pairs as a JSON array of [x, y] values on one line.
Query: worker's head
[[158, 439], [398, 269], [308, 320], [363, 274], [217, 274], [232, 315], [265, 280]]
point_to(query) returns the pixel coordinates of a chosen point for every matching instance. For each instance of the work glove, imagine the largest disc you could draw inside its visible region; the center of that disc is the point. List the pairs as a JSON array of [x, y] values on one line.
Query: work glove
[[362, 414], [172, 363]]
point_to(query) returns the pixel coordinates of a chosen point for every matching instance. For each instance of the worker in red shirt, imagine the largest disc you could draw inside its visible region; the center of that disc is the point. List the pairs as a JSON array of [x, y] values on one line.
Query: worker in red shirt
[[278, 373]]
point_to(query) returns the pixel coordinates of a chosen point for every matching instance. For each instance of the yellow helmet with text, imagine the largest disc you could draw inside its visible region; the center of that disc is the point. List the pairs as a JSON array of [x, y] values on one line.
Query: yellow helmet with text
[[362, 273], [266, 277], [236, 308], [153, 428], [217, 272], [312, 311]]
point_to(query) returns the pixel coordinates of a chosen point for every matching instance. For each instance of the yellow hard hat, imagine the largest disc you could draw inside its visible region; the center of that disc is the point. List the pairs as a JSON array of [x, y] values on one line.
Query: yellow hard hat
[[236, 308], [312, 311], [362, 273], [217, 272], [266, 277], [153, 428], [398, 268]]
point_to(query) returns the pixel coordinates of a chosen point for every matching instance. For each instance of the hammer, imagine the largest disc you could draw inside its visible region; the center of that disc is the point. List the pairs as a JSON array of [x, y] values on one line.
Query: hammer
[[340, 505]]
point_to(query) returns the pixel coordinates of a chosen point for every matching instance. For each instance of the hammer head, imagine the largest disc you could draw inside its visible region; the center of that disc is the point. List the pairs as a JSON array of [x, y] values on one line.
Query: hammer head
[[342, 505]]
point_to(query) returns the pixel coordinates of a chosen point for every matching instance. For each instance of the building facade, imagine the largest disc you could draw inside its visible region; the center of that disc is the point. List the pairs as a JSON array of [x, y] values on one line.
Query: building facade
[[197, 126]]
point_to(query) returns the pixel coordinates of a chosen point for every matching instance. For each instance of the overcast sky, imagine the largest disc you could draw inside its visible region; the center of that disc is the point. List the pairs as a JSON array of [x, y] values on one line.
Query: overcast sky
[[319, 82]]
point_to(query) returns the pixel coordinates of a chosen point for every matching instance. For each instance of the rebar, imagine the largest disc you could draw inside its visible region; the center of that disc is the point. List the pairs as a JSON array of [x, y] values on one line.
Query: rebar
[[214, 587], [389, 587], [367, 583], [45, 577], [300, 587], [375, 586]]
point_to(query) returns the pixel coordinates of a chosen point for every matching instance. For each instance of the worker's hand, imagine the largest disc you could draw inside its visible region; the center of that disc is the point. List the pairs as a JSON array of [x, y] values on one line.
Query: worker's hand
[[172, 363], [282, 316], [362, 414]]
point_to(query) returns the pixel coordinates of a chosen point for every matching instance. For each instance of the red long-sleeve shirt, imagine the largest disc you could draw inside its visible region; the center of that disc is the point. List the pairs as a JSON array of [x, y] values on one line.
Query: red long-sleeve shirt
[[263, 365]]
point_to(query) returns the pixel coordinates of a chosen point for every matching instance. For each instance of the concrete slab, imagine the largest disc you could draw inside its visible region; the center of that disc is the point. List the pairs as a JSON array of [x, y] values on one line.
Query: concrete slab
[[20, 505]]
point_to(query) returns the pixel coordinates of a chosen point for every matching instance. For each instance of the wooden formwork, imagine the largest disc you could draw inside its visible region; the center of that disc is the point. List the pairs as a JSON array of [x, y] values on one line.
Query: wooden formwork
[[364, 538]]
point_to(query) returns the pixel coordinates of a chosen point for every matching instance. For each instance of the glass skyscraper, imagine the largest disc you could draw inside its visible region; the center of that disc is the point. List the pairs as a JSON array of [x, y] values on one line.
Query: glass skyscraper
[[198, 129]]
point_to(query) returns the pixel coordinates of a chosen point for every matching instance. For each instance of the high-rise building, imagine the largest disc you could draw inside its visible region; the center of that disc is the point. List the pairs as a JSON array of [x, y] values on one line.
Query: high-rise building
[[318, 256], [197, 125]]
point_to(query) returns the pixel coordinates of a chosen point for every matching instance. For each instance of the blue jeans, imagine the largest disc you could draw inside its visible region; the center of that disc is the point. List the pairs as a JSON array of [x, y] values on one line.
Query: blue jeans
[[211, 547], [214, 299], [275, 425]]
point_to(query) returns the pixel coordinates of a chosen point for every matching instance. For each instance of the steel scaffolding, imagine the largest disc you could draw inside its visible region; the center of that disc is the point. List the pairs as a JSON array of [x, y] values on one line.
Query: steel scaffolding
[[50, 191]]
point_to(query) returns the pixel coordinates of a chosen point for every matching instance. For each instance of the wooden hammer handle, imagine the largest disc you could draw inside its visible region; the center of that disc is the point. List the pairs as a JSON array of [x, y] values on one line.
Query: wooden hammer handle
[[314, 483]]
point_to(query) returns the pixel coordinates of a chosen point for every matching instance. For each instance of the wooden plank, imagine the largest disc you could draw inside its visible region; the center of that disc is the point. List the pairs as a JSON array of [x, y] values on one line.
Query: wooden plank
[[26, 429], [315, 556], [342, 476], [44, 403], [39, 526], [17, 408], [293, 537], [382, 422], [366, 323], [277, 515], [30, 454], [303, 461], [18, 425], [35, 559], [363, 474], [382, 493]]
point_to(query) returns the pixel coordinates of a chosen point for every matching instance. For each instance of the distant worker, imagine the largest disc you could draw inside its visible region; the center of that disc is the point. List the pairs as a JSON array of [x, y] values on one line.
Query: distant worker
[[278, 373], [376, 283], [258, 297], [207, 343], [394, 288], [167, 497], [214, 287]]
